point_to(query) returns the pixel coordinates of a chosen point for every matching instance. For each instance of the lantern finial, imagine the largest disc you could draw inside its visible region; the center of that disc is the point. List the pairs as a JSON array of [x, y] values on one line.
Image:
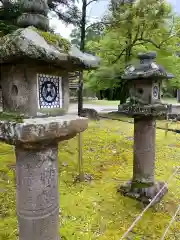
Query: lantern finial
[[34, 14]]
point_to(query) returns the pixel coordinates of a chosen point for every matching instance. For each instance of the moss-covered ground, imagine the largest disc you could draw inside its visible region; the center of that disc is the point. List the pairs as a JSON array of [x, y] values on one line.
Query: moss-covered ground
[[162, 124], [94, 210]]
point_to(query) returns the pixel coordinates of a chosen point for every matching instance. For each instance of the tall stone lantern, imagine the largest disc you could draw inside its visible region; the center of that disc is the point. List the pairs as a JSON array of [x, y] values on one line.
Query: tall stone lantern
[[34, 80], [145, 107]]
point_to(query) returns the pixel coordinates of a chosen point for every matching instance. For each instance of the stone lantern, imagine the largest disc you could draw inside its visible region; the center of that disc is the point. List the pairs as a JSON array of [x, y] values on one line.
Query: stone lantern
[[145, 107], [34, 80]]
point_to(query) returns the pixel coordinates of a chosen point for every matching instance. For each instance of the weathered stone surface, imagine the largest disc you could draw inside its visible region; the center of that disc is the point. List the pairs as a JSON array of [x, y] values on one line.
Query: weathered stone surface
[[41, 130], [145, 88], [147, 68], [143, 186], [34, 13], [37, 193], [156, 110], [90, 113], [29, 43], [144, 194], [39, 6], [20, 84], [145, 106], [174, 117], [37, 20], [144, 151]]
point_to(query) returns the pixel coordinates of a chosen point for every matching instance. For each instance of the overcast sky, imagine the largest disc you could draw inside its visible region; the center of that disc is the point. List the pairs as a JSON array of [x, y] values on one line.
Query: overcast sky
[[94, 12]]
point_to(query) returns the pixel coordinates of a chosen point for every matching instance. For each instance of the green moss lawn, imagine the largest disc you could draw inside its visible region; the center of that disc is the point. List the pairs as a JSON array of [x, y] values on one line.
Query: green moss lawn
[[95, 210], [162, 124]]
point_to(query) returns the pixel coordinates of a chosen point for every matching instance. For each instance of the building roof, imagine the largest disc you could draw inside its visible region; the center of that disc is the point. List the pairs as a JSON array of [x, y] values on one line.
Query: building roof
[[31, 44]]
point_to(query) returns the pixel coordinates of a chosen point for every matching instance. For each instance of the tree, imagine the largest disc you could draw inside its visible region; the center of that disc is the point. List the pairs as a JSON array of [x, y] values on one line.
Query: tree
[[75, 36], [142, 26], [93, 33], [82, 26], [10, 10], [66, 10]]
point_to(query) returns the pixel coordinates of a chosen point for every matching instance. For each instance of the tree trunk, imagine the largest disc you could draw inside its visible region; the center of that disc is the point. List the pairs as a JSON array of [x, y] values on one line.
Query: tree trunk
[[82, 47], [124, 93], [101, 94], [80, 93], [178, 95]]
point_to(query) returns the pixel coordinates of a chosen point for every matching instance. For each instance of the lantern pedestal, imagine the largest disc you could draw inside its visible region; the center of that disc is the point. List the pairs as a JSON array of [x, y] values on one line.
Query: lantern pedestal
[[143, 186], [145, 106], [37, 192], [143, 194], [36, 147]]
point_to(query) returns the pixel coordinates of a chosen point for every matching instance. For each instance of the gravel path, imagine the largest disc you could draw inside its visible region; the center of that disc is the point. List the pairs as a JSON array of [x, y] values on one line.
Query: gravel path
[[100, 108]]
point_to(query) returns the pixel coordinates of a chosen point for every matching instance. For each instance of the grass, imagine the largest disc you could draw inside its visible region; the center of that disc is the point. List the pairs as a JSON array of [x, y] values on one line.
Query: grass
[[159, 123], [102, 102], [95, 210]]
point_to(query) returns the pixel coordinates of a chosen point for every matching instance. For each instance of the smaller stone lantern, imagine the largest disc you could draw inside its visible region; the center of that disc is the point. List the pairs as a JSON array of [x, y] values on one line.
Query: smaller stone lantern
[[145, 107], [34, 80]]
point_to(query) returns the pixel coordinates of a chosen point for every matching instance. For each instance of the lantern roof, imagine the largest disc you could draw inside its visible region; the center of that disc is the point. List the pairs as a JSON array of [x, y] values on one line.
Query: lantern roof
[[49, 48], [146, 69]]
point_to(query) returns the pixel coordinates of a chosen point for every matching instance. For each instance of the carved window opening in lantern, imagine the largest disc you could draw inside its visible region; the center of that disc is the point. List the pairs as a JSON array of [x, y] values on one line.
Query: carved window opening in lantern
[[14, 90], [140, 91]]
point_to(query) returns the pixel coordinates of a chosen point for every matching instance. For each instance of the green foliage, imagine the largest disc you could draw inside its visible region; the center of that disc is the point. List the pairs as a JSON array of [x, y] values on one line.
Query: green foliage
[[56, 40], [103, 78], [75, 36], [93, 33], [11, 10], [139, 27], [70, 13], [95, 210], [8, 223]]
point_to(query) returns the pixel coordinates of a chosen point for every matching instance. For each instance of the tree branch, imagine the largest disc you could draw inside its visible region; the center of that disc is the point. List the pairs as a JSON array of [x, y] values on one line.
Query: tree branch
[[149, 41], [96, 24], [141, 41], [125, 49], [91, 1]]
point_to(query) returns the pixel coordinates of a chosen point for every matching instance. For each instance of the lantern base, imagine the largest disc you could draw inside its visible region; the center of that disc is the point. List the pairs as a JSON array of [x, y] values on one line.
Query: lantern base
[[159, 111], [144, 194]]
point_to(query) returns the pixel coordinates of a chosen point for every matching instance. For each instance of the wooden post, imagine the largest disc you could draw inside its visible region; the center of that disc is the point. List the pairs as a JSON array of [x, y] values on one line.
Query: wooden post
[[166, 127], [80, 162]]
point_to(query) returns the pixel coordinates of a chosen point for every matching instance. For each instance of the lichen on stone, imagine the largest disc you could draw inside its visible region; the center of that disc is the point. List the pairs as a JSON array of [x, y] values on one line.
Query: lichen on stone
[[55, 40], [32, 43], [14, 117]]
